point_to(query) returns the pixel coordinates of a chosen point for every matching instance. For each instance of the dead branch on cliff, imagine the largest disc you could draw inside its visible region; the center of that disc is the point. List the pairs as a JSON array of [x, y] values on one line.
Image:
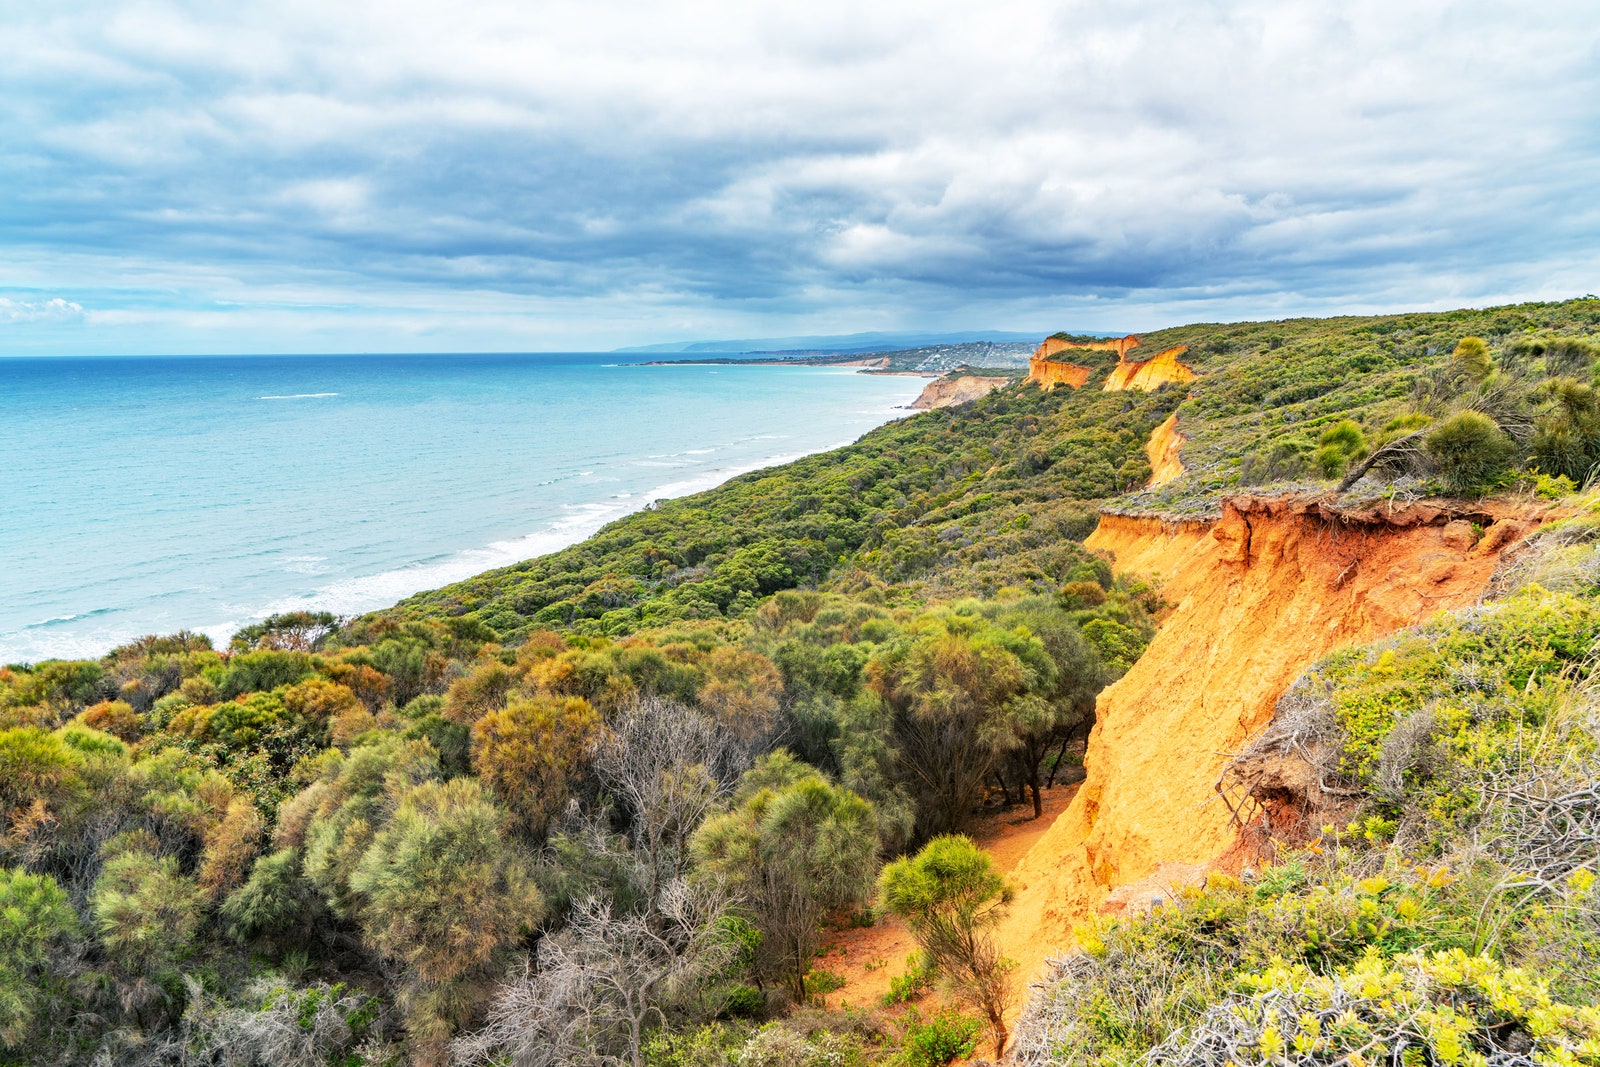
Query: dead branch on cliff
[[1403, 453]]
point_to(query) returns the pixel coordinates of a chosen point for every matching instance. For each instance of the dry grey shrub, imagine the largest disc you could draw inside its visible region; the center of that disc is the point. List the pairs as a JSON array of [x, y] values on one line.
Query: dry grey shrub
[[1295, 758], [1062, 1022], [305, 1027], [1409, 746], [1543, 818], [1051, 1017], [600, 983], [668, 765], [781, 1046], [135, 1048]]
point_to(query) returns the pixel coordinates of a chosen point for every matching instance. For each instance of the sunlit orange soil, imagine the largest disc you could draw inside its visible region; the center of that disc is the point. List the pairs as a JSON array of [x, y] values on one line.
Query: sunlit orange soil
[[867, 957]]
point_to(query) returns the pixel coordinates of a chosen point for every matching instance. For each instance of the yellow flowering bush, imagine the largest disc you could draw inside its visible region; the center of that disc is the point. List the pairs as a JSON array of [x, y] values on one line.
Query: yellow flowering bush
[[1444, 1007]]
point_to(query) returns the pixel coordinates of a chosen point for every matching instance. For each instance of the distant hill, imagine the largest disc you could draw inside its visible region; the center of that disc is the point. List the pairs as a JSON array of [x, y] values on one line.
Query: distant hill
[[928, 359], [851, 342]]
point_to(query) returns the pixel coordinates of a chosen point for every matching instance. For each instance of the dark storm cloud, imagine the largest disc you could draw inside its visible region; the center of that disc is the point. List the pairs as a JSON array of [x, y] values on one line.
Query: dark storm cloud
[[509, 175]]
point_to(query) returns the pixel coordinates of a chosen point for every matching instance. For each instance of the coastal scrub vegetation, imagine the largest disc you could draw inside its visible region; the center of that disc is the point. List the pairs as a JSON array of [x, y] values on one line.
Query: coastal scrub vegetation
[[595, 808]]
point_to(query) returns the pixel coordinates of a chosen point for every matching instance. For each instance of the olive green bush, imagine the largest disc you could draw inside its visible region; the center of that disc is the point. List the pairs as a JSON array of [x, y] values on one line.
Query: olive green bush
[[1470, 452]]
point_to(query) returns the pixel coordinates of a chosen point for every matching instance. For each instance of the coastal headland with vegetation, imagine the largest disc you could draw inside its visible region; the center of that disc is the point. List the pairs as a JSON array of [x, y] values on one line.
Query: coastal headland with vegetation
[[1215, 696]]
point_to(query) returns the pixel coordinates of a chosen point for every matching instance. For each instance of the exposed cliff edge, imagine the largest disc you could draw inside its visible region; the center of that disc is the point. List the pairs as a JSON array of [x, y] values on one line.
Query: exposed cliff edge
[[948, 392], [1158, 370], [1163, 448], [1258, 596], [1048, 374], [1163, 367]]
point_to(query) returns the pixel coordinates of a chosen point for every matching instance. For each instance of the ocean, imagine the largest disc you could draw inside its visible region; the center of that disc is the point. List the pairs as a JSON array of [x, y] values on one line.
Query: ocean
[[148, 495]]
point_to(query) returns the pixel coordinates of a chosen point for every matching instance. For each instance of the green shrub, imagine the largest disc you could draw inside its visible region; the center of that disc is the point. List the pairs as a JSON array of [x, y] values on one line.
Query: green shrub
[[1428, 716], [743, 1001], [146, 912], [1546, 487], [712, 1045], [1470, 452], [820, 982], [910, 985], [1338, 446], [275, 898], [938, 1040], [1471, 357], [35, 917], [1078, 596], [446, 895], [1566, 435]]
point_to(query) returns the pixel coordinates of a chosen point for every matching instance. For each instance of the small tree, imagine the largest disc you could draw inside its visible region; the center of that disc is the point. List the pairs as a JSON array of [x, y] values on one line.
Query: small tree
[[1065, 689], [1470, 451], [602, 981], [35, 917], [796, 848], [952, 696], [445, 895], [950, 895], [529, 753]]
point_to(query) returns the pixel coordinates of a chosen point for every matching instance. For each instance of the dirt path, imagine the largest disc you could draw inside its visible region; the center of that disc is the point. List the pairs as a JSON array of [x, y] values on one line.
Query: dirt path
[[867, 957]]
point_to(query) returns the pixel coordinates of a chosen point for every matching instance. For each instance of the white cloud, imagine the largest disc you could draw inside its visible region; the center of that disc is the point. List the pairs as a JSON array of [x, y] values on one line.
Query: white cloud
[[53, 311], [913, 160]]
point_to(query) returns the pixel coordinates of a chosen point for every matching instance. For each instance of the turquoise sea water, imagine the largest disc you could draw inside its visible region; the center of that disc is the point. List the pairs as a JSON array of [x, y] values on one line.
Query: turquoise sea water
[[148, 495]]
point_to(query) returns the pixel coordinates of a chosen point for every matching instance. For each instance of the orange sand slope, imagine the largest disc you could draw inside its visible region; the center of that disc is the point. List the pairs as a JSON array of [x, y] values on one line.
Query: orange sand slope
[[867, 957], [1151, 373], [1162, 448]]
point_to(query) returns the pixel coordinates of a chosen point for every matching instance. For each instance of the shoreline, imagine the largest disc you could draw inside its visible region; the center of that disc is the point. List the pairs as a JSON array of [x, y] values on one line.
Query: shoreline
[[354, 595]]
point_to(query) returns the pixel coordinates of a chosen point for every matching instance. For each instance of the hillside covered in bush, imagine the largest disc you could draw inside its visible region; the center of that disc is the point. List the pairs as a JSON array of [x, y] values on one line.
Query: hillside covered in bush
[[598, 807], [968, 501]]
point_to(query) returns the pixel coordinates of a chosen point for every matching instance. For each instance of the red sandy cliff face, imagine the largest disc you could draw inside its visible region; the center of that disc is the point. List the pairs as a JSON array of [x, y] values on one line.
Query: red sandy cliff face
[[1259, 595], [1048, 374]]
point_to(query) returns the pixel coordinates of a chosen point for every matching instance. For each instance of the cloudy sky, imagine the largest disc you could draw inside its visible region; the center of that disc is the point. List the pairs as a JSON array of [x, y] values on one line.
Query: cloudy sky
[[439, 175]]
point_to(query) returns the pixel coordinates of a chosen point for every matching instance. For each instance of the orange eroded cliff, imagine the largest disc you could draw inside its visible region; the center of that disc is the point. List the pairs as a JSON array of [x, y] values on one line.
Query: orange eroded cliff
[[1151, 373], [1048, 374], [1162, 448], [1258, 595], [950, 392]]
